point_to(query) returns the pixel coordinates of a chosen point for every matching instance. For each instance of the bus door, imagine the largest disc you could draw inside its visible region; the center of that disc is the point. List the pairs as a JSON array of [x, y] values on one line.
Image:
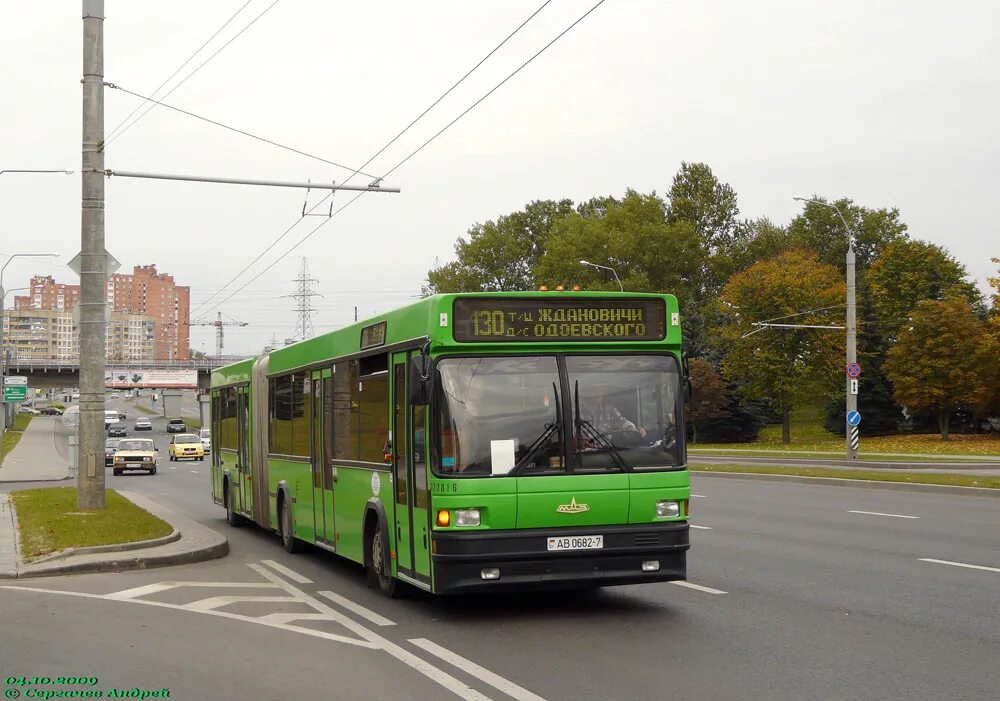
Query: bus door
[[410, 477], [244, 488], [322, 456]]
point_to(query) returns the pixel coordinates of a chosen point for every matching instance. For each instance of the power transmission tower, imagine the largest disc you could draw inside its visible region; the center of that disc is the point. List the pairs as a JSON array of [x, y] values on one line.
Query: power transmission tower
[[218, 324], [303, 301]]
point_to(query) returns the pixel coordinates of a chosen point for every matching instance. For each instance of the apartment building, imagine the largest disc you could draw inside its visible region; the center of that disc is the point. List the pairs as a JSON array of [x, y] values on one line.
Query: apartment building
[[51, 335], [140, 297]]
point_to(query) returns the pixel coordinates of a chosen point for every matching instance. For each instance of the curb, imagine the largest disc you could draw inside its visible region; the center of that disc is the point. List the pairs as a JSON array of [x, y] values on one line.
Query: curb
[[856, 483], [113, 548], [208, 545]]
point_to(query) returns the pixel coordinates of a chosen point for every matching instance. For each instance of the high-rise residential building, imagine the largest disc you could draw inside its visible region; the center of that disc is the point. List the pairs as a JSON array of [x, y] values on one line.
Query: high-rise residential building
[[49, 295], [144, 296], [30, 334]]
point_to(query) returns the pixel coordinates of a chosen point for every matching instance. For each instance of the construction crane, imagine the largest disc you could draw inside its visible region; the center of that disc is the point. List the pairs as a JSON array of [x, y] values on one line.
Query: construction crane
[[219, 324]]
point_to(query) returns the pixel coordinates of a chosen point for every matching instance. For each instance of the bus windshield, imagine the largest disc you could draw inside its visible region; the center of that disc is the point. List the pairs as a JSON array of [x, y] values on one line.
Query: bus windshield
[[508, 415]]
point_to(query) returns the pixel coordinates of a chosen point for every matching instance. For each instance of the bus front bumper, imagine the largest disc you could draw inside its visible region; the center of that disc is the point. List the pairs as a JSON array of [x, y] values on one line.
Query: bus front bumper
[[524, 561]]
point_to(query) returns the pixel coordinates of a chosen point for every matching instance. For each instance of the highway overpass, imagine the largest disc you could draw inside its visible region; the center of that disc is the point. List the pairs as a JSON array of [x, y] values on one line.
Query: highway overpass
[[44, 374]]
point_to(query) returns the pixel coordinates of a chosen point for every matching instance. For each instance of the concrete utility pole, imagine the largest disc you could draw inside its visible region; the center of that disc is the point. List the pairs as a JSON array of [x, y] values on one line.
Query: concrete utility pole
[[93, 273], [853, 435]]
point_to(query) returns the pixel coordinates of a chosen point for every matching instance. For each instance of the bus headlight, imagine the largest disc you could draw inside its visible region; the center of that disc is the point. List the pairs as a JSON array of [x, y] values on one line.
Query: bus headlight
[[467, 517], [667, 509]]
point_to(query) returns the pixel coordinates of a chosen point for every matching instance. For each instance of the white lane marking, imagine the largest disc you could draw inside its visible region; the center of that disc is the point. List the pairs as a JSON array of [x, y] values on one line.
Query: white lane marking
[[291, 574], [698, 496], [960, 564], [496, 681], [698, 587], [289, 617], [703, 528], [220, 614], [195, 472], [357, 608], [141, 591], [215, 602], [172, 467], [449, 682], [879, 513]]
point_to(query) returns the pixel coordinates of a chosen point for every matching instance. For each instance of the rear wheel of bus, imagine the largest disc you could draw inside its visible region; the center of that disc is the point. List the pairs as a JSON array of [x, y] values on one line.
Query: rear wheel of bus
[[377, 564], [288, 539]]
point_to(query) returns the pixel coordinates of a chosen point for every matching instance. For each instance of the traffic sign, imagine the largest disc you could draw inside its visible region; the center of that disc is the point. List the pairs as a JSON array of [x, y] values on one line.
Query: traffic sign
[[15, 380], [15, 393], [854, 386], [854, 418], [853, 370]]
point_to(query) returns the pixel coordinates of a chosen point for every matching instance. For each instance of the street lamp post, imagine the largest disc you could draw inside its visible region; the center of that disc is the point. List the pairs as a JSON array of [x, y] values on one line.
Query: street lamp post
[[852, 432], [3, 351], [605, 267]]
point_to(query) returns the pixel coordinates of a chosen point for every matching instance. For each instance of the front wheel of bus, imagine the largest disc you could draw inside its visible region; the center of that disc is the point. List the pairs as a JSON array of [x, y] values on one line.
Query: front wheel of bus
[[378, 566]]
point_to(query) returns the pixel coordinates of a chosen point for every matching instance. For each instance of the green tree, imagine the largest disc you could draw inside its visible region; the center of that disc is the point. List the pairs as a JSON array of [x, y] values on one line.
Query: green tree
[[633, 237], [819, 229], [909, 271], [500, 255], [788, 366], [936, 360], [709, 400], [709, 205]]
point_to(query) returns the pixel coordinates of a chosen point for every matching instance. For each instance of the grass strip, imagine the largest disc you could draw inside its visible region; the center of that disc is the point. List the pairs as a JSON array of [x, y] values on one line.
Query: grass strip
[[12, 436], [49, 521], [820, 454], [870, 475]]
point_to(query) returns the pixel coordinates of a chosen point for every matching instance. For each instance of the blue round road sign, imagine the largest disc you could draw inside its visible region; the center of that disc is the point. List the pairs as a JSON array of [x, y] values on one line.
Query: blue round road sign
[[854, 418]]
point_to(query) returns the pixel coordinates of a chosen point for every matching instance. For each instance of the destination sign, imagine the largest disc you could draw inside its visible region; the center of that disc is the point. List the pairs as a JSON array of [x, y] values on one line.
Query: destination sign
[[539, 319]]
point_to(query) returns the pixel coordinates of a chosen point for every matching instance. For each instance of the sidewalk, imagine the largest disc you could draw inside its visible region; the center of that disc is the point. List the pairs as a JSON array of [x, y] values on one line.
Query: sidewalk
[[190, 542], [36, 457]]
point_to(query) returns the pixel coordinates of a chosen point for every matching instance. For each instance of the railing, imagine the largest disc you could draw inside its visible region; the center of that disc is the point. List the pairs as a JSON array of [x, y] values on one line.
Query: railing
[[207, 364]]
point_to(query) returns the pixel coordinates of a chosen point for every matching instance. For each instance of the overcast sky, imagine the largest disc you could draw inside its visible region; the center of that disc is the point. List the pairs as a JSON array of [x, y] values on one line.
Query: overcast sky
[[890, 103]]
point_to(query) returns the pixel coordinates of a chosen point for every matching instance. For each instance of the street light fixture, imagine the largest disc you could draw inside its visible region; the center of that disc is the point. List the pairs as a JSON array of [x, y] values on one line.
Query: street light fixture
[[32, 170], [851, 404], [3, 295], [605, 267]]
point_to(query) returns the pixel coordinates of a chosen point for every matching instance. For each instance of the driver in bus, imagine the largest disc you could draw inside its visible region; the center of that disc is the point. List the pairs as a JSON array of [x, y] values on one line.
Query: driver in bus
[[605, 417]]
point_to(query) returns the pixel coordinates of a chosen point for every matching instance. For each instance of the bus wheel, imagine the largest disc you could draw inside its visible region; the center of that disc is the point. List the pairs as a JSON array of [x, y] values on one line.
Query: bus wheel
[[378, 566], [231, 516], [288, 539]]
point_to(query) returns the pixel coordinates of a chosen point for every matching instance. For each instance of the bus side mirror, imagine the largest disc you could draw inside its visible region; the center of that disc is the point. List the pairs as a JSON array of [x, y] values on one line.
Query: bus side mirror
[[421, 380]]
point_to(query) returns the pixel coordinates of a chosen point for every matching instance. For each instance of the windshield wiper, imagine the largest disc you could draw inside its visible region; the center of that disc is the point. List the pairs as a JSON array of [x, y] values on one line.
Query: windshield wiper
[[595, 435], [540, 441]]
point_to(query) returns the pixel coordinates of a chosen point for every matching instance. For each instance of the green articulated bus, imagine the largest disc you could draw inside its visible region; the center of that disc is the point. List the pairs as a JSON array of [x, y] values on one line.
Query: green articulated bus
[[470, 442]]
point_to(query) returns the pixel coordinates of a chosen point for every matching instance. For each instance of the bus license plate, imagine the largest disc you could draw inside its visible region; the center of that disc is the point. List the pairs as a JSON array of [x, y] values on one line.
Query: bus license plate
[[577, 542]]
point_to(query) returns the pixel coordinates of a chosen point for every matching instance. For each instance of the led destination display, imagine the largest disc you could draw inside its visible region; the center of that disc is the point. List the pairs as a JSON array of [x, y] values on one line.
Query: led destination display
[[509, 319]]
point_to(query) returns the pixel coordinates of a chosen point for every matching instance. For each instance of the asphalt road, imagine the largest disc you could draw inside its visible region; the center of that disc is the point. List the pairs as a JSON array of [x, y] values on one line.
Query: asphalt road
[[799, 592]]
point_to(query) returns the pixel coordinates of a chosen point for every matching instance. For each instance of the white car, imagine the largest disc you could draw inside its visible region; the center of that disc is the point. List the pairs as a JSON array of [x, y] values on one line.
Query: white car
[[206, 439], [110, 417], [135, 454], [143, 424]]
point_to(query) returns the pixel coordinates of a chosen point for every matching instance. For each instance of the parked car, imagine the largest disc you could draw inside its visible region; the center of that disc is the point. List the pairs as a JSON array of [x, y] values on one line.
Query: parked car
[[75, 397], [117, 429], [142, 423], [135, 454], [110, 446], [176, 426], [206, 439], [186, 445], [110, 417], [51, 411], [28, 410]]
